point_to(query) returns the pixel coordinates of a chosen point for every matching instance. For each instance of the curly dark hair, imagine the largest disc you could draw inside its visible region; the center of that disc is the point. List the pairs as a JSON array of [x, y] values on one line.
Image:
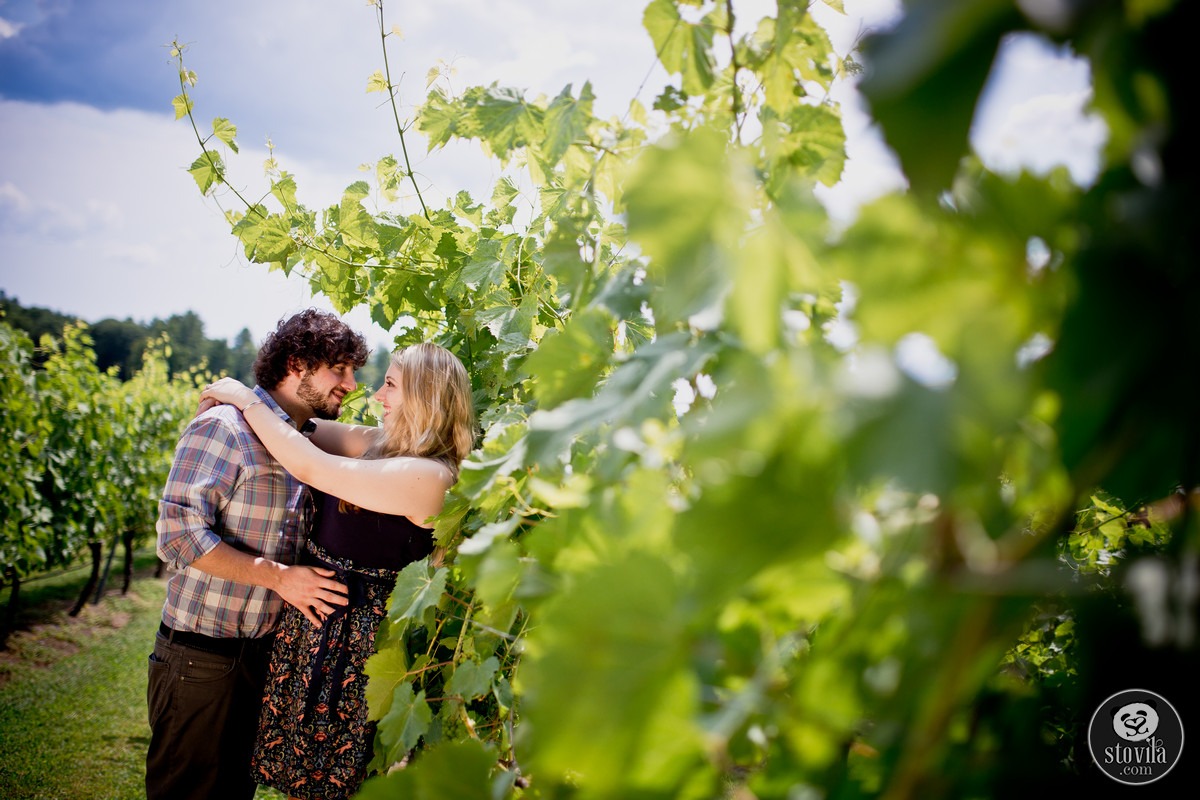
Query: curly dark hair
[[306, 341]]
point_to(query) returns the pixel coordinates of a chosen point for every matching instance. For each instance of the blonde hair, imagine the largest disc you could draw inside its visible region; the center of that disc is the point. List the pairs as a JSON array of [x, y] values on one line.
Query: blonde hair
[[435, 417]]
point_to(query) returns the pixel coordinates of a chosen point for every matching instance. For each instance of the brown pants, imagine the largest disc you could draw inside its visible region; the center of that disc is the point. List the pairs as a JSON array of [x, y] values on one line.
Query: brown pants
[[203, 711]]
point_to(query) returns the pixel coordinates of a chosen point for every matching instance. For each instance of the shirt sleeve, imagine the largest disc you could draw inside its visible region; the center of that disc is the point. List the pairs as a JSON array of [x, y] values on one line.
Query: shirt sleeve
[[206, 469]]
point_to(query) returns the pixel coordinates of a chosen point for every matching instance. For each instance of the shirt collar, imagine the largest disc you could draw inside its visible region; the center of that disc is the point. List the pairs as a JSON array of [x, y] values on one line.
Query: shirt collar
[[265, 396]]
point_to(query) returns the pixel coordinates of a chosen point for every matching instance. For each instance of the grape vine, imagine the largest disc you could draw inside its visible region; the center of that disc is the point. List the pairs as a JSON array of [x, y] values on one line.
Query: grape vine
[[86, 454]]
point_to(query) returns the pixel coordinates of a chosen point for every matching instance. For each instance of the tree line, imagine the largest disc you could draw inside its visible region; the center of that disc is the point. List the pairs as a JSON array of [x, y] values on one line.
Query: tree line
[[122, 343]]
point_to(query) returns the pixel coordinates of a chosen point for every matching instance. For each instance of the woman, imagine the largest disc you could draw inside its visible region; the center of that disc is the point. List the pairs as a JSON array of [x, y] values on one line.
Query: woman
[[374, 490]]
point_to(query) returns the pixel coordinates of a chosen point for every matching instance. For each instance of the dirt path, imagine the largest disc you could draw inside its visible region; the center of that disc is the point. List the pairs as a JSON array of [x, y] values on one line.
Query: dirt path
[[46, 633]]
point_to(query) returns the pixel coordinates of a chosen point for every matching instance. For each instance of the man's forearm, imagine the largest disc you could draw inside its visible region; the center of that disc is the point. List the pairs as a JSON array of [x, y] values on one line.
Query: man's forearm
[[312, 590], [226, 561]]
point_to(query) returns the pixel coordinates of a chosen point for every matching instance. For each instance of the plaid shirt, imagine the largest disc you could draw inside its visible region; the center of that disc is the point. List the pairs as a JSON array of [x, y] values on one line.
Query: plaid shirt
[[225, 486]]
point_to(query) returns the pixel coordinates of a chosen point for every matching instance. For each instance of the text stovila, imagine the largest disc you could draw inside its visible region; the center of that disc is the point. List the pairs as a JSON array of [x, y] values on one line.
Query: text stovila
[[1151, 752]]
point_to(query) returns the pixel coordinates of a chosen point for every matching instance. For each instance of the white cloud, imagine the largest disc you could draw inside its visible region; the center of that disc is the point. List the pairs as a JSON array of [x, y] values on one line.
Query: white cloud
[[868, 373], [918, 356], [13, 202], [1033, 113], [23, 215], [107, 222], [9, 29], [140, 255], [861, 17], [1044, 132], [539, 45]]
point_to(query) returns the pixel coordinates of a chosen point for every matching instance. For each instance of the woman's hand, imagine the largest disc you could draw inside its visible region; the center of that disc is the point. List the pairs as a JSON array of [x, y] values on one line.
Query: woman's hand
[[205, 405], [227, 390]]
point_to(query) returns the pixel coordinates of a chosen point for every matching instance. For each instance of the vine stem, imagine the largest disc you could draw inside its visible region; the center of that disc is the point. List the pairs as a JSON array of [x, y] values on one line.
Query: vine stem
[[913, 769], [734, 67], [426, 668], [486, 628], [387, 74], [462, 632], [220, 177]]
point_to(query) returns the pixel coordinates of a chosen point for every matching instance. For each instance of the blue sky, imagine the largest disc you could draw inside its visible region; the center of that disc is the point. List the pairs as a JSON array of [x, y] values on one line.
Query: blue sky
[[51, 44], [98, 216]]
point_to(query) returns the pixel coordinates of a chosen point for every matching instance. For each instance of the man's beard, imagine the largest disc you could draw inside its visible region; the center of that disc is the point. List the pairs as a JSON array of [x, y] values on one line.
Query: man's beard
[[323, 406]]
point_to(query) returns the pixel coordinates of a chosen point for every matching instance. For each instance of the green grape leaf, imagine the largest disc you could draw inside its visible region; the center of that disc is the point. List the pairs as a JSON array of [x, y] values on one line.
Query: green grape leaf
[[419, 588], [471, 679], [569, 361], [567, 121], [182, 104], [274, 243], [377, 82], [385, 670], [284, 190], [226, 131], [683, 206], [683, 48], [637, 389], [208, 170], [506, 120], [617, 630], [405, 722], [485, 266], [811, 141], [447, 771], [442, 119]]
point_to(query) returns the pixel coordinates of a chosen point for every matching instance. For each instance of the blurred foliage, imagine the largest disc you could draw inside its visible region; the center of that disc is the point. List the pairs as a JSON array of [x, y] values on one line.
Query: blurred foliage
[[702, 552]]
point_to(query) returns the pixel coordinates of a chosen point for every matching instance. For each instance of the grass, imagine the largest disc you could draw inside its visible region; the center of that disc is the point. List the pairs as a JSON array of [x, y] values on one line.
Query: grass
[[73, 691]]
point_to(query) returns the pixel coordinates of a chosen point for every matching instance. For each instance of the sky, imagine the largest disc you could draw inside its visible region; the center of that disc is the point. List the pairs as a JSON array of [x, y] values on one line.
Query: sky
[[99, 217]]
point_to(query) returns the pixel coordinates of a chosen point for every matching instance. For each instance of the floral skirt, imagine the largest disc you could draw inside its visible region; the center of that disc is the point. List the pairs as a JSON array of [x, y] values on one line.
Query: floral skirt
[[314, 740]]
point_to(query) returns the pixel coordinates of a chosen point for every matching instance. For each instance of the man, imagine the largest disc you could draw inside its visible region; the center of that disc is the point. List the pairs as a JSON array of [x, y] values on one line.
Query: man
[[230, 525]]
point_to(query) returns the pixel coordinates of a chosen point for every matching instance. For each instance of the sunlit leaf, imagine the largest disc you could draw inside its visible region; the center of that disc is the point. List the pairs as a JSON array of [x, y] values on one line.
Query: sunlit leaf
[[419, 588], [506, 120], [226, 131], [182, 105], [682, 205], [682, 47], [600, 671], [208, 170], [567, 121], [385, 670], [443, 118], [284, 190], [569, 361], [405, 723], [377, 82], [450, 771]]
